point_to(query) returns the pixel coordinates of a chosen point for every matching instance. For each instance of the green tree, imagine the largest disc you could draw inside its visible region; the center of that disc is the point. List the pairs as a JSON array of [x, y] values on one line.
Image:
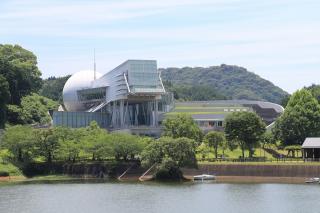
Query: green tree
[[126, 146], [315, 91], [300, 119], [47, 143], [72, 144], [267, 139], [170, 154], [203, 150], [34, 109], [245, 129], [97, 142], [52, 88], [19, 67], [20, 141], [4, 99], [168, 170], [214, 140], [285, 100], [193, 93], [182, 125], [181, 150]]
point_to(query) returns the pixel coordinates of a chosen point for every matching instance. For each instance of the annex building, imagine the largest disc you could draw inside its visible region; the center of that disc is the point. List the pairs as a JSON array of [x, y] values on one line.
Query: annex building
[[132, 98]]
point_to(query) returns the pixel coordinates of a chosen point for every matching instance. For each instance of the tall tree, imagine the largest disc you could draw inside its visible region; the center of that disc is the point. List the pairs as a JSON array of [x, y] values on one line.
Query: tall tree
[[315, 91], [182, 125], [244, 129], [34, 109], [126, 146], [97, 142], [170, 155], [47, 143], [300, 119], [19, 140], [71, 143], [214, 140], [4, 98], [19, 67]]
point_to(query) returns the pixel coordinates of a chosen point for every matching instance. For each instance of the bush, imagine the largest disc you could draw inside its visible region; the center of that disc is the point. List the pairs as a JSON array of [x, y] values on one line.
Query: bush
[[4, 174], [168, 170]]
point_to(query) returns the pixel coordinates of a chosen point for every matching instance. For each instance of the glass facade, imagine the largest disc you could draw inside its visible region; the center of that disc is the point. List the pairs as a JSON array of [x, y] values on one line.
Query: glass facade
[[98, 93], [80, 119], [143, 76]]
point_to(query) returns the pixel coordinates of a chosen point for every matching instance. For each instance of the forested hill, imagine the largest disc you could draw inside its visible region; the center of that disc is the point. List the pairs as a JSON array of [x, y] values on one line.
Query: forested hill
[[199, 84], [232, 82], [52, 87]]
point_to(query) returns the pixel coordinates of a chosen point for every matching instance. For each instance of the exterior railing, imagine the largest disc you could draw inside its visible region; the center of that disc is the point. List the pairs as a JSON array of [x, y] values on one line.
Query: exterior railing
[[256, 159]]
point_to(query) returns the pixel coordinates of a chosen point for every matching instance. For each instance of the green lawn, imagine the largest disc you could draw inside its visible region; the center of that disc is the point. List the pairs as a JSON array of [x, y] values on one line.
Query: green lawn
[[10, 168], [236, 153]]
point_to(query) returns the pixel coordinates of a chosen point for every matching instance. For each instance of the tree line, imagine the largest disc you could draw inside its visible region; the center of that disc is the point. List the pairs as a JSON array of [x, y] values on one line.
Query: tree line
[[26, 144], [20, 81], [176, 148], [182, 139], [23, 144]]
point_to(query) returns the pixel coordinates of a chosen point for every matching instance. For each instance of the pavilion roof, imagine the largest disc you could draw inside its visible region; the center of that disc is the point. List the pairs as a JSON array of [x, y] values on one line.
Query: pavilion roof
[[311, 143]]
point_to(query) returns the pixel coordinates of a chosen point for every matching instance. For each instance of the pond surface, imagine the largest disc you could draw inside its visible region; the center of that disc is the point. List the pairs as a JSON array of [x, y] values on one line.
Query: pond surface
[[158, 197]]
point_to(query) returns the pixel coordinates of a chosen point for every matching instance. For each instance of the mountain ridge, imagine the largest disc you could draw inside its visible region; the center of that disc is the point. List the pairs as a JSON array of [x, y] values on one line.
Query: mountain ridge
[[231, 81], [199, 83]]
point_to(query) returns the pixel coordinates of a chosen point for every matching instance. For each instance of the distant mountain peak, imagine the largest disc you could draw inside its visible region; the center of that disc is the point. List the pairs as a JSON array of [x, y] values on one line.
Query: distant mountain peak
[[228, 80]]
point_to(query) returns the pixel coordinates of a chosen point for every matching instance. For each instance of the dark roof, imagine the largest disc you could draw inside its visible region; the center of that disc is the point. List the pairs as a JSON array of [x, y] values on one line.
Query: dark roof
[[311, 143]]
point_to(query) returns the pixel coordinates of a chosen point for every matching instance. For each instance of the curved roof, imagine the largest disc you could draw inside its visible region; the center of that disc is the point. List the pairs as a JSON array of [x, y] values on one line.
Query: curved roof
[[263, 104], [79, 80]]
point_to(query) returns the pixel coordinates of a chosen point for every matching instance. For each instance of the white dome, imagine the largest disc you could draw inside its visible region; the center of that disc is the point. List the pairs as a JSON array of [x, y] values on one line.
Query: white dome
[[79, 80]]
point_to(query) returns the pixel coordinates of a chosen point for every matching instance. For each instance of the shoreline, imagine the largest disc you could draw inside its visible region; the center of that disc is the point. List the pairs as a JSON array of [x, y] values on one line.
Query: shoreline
[[219, 179], [257, 179]]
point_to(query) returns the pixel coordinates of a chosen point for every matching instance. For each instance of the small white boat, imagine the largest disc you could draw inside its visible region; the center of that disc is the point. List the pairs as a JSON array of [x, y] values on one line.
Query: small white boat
[[204, 177], [313, 180]]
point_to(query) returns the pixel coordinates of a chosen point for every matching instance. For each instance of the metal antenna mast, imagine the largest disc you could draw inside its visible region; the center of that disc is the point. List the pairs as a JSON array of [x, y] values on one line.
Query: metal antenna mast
[[94, 64]]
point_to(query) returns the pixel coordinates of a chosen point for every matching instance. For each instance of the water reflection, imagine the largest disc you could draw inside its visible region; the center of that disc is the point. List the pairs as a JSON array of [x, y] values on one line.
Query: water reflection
[[75, 197]]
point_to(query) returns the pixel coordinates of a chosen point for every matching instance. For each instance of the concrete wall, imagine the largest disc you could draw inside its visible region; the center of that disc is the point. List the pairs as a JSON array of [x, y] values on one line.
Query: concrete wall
[[258, 170]]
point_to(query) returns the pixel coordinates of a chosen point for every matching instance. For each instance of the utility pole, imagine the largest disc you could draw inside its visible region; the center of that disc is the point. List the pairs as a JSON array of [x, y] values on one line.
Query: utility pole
[[94, 64]]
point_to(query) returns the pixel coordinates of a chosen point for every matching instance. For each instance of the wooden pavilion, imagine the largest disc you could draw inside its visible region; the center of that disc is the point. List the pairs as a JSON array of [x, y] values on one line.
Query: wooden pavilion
[[311, 149]]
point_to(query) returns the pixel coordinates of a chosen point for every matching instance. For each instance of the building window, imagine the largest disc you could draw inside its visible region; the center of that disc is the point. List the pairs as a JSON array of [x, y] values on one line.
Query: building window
[[211, 123]]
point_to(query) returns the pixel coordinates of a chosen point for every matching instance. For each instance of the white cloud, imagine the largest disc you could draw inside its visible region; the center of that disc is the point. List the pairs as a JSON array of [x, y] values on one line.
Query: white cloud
[[261, 36]]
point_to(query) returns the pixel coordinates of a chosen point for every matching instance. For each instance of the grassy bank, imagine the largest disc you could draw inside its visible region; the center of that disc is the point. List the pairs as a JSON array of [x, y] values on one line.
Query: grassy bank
[[236, 153], [9, 168]]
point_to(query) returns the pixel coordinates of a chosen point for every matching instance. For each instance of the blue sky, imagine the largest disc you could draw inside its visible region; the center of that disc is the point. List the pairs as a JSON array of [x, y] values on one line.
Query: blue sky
[[276, 39]]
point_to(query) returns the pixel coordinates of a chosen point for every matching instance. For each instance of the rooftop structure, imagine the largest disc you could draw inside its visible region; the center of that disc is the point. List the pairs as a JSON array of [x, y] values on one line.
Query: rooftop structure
[[311, 149]]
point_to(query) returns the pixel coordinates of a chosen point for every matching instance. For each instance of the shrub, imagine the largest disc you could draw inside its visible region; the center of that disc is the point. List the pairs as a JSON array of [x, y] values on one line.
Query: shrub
[[4, 174], [168, 170]]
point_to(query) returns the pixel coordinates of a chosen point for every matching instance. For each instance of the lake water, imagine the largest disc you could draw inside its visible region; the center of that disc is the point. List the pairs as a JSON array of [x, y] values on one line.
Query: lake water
[[155, 198]]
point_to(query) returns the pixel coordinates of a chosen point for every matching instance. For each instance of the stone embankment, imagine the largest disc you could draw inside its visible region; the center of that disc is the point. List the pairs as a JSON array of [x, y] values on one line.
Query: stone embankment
[[132, 171], [257, 170]]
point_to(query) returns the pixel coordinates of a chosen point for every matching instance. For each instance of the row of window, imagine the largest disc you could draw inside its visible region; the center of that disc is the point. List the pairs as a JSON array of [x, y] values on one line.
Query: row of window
[[235, 110], [210, 123], [92, 94]]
